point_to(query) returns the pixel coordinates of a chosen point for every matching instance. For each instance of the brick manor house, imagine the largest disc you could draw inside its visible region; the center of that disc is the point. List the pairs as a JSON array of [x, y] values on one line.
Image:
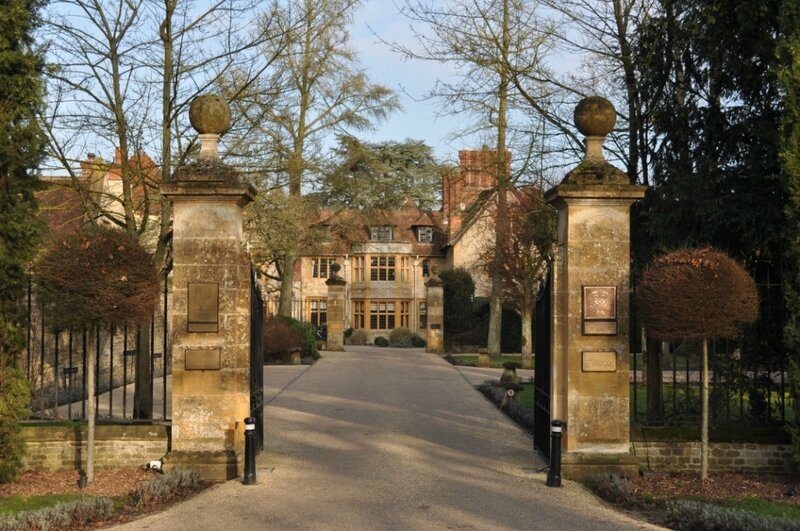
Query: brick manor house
[[389, 255], [386, 258]]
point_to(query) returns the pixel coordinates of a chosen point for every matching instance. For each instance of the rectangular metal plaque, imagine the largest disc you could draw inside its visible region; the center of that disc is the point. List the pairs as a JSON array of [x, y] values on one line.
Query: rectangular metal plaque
[[599, 361], [202, 359], [436, 326], [203, 307], [600, 328], [599, 316]]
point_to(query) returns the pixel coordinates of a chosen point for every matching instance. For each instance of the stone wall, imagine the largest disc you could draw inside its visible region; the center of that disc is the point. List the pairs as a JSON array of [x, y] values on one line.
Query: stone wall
[[53, 448], [723, 457]]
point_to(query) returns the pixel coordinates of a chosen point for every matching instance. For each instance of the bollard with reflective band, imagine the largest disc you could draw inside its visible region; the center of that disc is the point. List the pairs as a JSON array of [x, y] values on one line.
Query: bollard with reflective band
[[554, 474], [249, 451]]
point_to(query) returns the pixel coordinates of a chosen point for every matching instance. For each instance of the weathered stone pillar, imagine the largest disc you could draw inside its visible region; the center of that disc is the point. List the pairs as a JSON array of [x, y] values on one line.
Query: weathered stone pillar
[[336, 285], [435, 297], [210, 314], [591, 306]]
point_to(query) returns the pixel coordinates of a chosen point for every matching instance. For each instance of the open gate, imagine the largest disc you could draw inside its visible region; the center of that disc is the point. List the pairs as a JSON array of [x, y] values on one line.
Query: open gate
[[257, 360], [542, 366]]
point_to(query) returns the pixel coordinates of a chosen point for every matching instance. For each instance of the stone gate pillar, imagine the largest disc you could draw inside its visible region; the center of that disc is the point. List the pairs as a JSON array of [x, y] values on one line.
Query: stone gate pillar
[[434, 339], [336, 285], [210, 317], [590, 300]]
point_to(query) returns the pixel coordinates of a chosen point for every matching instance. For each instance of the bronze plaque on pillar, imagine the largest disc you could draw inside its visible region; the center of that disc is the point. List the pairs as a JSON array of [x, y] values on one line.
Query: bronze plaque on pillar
[[203, 307], [202, 359], [599, 310]]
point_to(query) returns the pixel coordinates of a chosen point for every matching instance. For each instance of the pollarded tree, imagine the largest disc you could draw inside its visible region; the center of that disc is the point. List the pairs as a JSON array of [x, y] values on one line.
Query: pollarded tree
[[101, 277], [696, 295]]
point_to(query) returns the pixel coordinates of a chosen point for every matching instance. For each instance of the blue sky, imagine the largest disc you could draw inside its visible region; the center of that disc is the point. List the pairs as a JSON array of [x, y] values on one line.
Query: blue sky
[[411, 79]]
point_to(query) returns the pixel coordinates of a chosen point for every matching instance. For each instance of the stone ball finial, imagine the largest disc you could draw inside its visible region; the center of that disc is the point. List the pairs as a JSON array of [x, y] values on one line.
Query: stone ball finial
[[595, 116], [210, 114], [335, 268]]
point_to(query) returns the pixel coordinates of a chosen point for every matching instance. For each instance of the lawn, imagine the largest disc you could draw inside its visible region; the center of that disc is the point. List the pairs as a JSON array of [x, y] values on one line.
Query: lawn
[[17, 503]]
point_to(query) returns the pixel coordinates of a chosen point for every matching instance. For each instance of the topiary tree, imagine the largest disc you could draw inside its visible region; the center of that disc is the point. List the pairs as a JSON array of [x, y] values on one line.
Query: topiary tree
[[96, 278], [696, 295]]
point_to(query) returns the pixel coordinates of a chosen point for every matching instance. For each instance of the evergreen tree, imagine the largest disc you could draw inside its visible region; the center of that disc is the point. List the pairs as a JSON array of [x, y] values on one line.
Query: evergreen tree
[[715, 104], [21, 149], [789, 79]]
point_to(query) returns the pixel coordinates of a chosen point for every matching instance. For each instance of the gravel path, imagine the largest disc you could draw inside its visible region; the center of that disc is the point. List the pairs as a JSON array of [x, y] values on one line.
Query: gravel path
[[388, 439]]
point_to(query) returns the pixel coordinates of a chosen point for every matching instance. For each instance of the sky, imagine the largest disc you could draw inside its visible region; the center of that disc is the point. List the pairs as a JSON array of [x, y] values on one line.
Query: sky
[[411, 79]]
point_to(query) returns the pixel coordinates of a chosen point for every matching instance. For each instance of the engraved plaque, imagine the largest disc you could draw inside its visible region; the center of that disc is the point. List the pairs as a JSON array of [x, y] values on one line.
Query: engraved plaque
[[203, 307], [599, 302], [599, 310], [202, 359], [599, 361], [436, 326]]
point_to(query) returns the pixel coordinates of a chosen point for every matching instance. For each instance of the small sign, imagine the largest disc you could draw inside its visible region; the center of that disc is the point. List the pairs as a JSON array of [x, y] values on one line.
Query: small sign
[[599, 361], [202, 359], [436, 326], [70, 370], [129, 353]]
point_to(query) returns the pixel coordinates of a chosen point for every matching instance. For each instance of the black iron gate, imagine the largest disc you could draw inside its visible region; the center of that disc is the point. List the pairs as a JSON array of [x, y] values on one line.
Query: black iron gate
[[257, 361], [542, 366]]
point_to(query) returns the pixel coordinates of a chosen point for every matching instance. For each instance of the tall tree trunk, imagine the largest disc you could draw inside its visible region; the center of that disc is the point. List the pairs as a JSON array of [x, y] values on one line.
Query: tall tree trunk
[[501, 217], [143, 384], [655, 402], [527, 336], [704, 426], [287, 285]]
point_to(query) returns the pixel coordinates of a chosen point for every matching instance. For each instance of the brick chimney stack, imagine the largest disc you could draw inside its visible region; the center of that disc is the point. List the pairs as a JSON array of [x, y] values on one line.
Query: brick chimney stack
[[476, 172]]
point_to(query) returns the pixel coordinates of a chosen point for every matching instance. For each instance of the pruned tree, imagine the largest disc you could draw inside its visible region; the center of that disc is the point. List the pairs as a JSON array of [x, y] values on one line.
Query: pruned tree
[[315, 90], [697, 295], [101, 277]]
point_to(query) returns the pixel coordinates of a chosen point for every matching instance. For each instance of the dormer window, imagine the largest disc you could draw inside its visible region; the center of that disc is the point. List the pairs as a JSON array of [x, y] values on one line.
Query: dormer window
[[380, 233], [424, 234]]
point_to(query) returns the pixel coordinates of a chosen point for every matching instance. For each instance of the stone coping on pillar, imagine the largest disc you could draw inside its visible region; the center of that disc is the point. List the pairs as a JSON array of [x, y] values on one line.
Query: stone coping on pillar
[[335, 281], [434, 282], [631, 192], [209, 190]]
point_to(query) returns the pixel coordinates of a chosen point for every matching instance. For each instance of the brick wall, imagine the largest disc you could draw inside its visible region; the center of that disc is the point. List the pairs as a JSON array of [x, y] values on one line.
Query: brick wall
[[55, 448], [723, 457]]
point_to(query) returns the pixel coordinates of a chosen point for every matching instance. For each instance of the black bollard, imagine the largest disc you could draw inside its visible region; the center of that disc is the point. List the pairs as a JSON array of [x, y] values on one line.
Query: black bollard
[[554, 474], [249, 451]]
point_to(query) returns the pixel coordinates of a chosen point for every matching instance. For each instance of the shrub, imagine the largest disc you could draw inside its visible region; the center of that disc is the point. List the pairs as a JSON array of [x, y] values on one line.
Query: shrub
[[400, 337], [614, 488], [15, 396], [284, 334], [348, 332], [280, 337], [164, 487], [78, 514], [357, 337], [458, 290], [381, 341], [417, 341], [690, 515]]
